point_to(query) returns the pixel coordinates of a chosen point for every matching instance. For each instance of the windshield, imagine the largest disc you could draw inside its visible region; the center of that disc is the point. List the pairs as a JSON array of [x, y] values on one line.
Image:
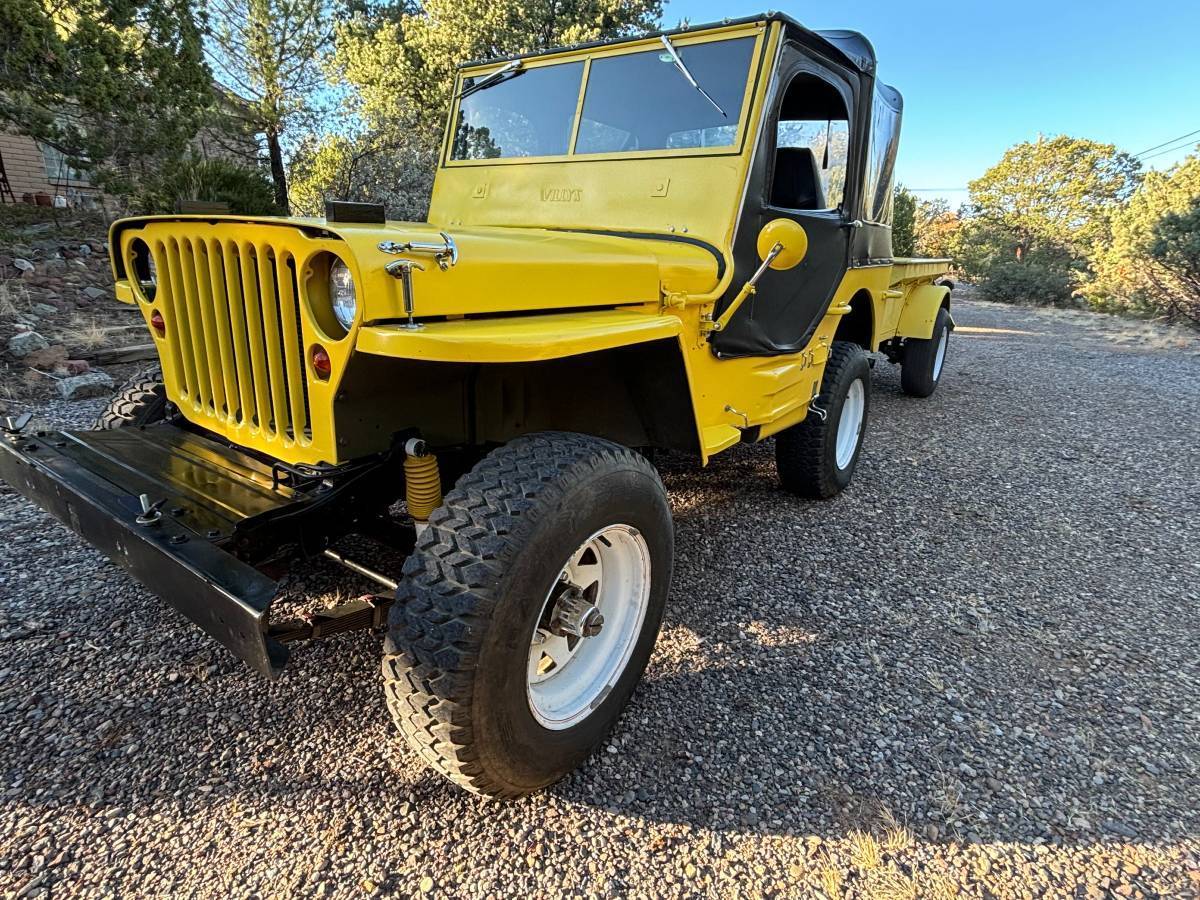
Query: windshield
[[640, 101], [632, 102], [528, 113]]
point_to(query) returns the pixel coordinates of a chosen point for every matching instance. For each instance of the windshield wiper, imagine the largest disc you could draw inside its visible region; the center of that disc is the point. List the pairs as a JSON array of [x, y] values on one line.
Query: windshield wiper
[[496, 77], [683, 70]]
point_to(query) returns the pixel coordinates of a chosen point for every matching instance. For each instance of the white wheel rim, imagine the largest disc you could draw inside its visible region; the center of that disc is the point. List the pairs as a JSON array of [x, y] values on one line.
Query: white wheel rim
[[940, 358], [850, 423], [567, 677]]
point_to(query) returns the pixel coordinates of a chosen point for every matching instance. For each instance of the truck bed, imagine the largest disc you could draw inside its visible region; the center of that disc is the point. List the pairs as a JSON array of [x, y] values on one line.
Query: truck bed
[[910, 271]]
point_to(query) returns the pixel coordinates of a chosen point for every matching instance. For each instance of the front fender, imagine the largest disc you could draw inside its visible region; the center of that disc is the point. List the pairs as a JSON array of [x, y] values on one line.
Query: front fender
[[515, 339]]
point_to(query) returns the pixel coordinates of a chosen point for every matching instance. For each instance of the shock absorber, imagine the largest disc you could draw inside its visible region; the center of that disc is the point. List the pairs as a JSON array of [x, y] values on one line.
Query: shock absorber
[[422, 481]]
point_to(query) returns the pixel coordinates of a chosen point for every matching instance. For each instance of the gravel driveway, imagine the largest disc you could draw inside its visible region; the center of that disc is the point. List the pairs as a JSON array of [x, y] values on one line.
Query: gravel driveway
[[976, 671]]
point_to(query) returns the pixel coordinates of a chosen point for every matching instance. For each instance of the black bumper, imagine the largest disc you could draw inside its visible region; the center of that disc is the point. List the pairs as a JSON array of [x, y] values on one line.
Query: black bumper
[[90, 481]]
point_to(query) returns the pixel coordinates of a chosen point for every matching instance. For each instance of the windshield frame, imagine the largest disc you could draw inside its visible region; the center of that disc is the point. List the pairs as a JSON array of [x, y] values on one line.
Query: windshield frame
[[753, 77]]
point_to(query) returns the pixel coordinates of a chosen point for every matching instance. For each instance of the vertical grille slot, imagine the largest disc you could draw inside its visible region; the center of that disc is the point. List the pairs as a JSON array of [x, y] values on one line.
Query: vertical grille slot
[[235, 329]]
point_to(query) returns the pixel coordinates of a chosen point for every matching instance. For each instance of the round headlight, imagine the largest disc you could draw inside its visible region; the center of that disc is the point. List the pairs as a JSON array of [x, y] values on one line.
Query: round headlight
[[341, 294]]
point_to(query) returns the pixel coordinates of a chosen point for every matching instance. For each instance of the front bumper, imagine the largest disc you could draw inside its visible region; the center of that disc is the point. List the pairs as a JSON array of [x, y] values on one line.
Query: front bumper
[[90, 481]]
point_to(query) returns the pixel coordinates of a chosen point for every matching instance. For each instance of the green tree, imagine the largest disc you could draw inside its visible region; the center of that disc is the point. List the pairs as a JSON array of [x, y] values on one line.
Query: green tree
[[1128, 274], [938, 230], [400, 59], [904, 222], [1175, 252], [269, 54], [1061, 191], [106, 82], [1038, 213]]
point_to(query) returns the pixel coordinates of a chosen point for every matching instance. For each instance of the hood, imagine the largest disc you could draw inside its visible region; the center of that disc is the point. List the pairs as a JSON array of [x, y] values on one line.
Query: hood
[[504, 269], [499, 269]]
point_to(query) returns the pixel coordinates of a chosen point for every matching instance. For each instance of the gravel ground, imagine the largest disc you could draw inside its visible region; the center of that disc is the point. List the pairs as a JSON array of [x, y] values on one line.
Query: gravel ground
[[974, 673]]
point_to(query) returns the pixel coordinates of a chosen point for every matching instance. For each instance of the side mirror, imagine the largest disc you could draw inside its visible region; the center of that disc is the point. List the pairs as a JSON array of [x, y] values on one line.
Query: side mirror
[[789, 236]]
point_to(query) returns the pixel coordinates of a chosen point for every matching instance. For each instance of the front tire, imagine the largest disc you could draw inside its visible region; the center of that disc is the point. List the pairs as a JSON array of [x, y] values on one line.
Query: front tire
[[556, 541], [817, 457], [924, 360], [142, 400]]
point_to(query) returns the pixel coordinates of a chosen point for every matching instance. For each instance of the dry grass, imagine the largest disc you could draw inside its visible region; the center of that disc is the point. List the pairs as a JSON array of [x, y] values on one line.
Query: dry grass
[[14, 299], [890, 884], [831, 881], [864, 850], [83, 334]]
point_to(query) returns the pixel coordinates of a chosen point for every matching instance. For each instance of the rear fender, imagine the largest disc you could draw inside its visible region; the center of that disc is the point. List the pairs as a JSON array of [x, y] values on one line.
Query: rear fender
[[920, 311]]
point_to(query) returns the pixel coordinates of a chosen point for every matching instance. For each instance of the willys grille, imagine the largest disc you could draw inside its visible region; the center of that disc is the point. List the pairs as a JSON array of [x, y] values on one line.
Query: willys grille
[[235, 330]]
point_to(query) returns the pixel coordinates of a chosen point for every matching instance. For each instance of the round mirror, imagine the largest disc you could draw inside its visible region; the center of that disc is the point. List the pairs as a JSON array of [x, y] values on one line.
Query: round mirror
[[788, 233]]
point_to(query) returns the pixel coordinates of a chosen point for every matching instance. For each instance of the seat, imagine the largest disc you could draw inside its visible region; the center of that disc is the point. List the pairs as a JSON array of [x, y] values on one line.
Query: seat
[[797, 183]]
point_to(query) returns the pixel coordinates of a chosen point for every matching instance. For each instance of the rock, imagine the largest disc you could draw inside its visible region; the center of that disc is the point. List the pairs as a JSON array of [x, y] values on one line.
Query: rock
[[44, 309], [1113, 827], [21, 345], [23, 265], [95, 293], [92, 384], [50, 358], [76, 366], [84, 250], [57, 266]]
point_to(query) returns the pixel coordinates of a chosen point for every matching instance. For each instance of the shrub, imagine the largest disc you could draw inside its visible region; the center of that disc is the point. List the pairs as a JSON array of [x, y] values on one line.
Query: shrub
[[1175, 252], [1041, 283], [247, 191], [395, 169], [1129, 275]]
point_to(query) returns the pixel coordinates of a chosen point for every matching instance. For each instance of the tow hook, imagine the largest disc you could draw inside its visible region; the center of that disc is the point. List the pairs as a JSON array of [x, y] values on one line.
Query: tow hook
[[151, 512], [15, 425]]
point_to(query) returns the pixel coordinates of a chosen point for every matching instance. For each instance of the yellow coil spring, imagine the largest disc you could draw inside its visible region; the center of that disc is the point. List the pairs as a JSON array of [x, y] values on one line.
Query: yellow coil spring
[[422, 485]]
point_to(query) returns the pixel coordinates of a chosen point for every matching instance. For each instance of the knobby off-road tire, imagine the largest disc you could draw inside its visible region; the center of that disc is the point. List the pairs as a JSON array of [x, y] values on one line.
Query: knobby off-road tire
[[458, 656], [142, 400], [811, 460], [924, 361]]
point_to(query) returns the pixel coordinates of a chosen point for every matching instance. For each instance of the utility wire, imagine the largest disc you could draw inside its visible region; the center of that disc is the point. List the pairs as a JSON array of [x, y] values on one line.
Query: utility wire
[[1182, 146], [1171, 141]]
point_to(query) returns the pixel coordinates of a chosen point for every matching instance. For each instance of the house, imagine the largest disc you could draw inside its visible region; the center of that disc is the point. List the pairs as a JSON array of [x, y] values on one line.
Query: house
[[34, 168]]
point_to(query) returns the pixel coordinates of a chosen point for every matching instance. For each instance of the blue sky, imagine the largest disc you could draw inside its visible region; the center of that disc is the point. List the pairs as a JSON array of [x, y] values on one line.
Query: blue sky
[[978, 77]]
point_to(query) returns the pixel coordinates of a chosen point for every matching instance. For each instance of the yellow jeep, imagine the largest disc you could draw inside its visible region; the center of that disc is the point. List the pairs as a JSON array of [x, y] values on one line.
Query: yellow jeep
[[676, 241]]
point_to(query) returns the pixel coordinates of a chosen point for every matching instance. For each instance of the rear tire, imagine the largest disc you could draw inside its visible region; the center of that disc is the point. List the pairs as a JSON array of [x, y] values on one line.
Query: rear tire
[[816, 458], [924, 361], [142, 400], [463, 668]]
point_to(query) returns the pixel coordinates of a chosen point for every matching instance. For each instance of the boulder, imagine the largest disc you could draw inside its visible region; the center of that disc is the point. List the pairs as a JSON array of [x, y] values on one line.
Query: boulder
[[90, 384], [21, 345]]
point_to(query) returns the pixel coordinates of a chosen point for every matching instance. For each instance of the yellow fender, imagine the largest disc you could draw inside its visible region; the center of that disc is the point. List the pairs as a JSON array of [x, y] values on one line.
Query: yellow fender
[[921, 309]]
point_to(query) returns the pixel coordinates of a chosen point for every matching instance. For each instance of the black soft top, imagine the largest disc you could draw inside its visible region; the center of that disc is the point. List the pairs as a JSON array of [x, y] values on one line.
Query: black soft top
[[850, 47]]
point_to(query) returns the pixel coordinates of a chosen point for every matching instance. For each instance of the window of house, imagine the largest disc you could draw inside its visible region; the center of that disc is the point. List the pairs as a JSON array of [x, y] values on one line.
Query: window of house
[[58, 169]]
